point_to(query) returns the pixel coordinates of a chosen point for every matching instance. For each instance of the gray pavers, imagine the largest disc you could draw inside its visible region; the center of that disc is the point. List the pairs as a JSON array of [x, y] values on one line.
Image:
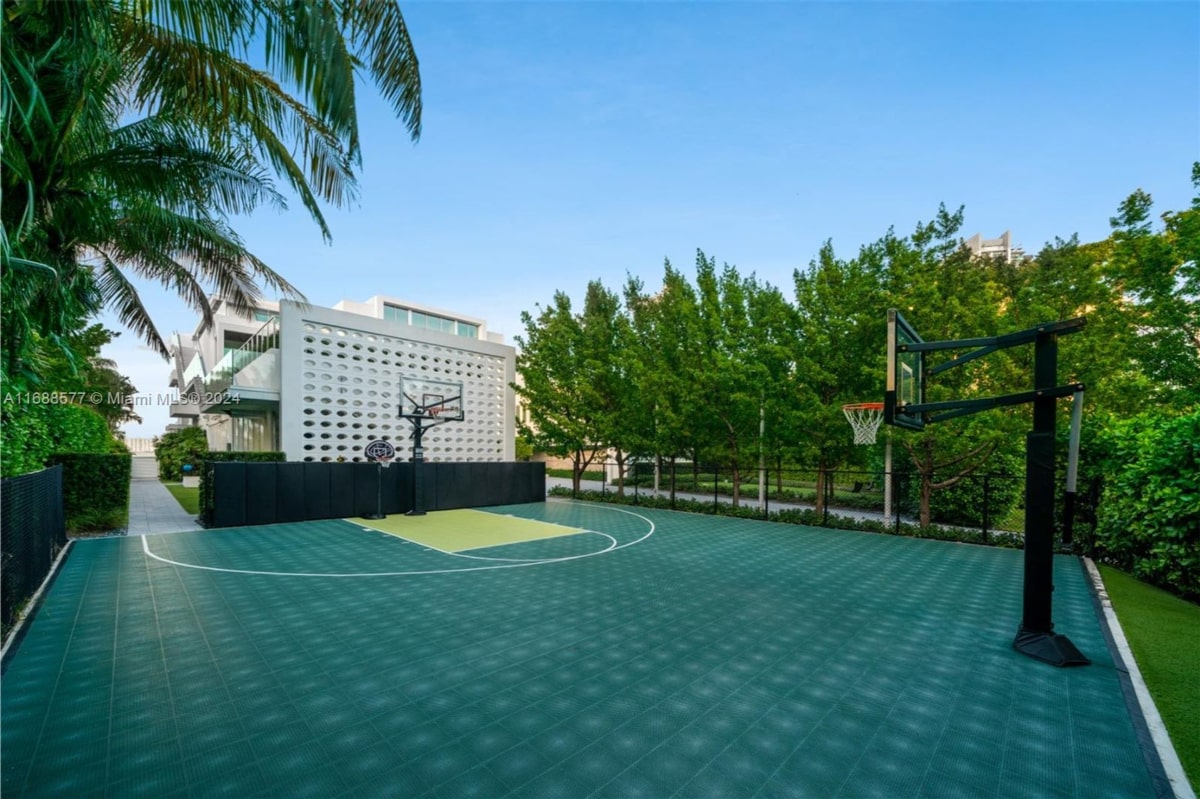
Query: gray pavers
[[152, 509]]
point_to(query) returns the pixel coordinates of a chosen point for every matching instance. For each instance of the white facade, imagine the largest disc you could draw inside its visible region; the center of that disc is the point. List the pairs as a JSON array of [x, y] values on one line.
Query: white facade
[[320, 383], [995, 248]]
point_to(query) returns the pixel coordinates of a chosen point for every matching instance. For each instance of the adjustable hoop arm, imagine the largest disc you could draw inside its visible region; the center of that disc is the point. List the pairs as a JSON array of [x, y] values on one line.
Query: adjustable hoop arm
[[986, 346]]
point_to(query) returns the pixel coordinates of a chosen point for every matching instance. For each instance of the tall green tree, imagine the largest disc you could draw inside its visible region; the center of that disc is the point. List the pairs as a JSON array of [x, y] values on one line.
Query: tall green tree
[[842, 318], [564, 419], [666, 328], [950, 295], [134, 130]]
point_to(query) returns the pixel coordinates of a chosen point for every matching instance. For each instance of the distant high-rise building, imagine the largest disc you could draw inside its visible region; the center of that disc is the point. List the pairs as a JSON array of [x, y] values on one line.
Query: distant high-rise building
[[995, 248]]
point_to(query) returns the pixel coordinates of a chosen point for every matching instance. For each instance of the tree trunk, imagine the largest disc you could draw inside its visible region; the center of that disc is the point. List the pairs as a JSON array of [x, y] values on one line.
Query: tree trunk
[[926, 496]]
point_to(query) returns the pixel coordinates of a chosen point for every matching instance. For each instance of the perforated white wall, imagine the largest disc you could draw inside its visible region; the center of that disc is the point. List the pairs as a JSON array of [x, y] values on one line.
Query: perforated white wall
[[340, 387]]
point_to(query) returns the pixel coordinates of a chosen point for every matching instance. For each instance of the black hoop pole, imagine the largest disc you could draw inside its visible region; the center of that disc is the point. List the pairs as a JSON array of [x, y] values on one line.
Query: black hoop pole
[[378, 514], [1036, 637]]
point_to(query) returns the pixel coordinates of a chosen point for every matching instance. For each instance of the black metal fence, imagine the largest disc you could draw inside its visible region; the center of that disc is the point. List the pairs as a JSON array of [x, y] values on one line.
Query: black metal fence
[[989, 504], [32, 532], [266, 493]]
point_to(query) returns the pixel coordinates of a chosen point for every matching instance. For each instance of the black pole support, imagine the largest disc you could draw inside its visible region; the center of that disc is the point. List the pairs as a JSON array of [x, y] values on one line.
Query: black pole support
[[418, 459], [378, 514], [1036, 637]]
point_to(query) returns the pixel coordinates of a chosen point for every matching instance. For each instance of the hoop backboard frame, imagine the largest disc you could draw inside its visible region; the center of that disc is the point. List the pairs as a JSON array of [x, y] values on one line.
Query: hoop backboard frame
[[429, 399], [905, 384]]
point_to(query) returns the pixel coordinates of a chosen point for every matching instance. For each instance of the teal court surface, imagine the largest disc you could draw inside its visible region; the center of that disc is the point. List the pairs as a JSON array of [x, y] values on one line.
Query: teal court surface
[[624, 653]]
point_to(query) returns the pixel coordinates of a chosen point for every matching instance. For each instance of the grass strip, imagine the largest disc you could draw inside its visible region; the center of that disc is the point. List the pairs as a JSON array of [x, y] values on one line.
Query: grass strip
[[1164, 633], [188, 498]]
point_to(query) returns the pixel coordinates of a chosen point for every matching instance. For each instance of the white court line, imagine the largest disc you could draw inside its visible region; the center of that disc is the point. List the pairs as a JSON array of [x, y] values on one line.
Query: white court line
[[518, 565], [1158, 730]]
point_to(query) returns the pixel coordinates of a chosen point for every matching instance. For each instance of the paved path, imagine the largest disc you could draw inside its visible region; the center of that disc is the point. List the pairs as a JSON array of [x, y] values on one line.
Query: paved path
[[152, 509]]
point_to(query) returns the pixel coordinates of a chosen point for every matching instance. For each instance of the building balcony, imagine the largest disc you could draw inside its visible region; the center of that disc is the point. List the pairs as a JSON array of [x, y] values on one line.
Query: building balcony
[[243, 381]]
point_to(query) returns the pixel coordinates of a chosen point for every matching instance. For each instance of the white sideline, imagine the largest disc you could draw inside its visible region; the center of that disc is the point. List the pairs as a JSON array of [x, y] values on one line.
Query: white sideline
[[1158, 730]]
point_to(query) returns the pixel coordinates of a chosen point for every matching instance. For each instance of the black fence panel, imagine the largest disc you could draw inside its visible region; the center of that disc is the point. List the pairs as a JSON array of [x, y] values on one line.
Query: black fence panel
[[291, 504], [452, 485], [262, 503], [229, 484], [341, 492], [270, 492], [32, 532], [318, 490]]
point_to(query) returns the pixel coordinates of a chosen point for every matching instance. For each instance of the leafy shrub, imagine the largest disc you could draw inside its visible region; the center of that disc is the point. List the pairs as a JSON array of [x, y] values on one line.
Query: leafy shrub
[[31, 432], [801, 516], [964, 502], [178, 448], [1148, 520], [95, 490]]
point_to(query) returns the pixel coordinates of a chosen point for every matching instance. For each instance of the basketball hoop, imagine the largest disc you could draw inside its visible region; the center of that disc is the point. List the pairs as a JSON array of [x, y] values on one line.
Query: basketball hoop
[[865, 418], [381, 452]]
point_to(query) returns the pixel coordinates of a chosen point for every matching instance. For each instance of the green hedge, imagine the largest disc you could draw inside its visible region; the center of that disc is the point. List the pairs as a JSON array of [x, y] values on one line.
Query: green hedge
[[31, 433], [800, 516], [1148, 519], [178, 448], [206, 499], [95, 490]]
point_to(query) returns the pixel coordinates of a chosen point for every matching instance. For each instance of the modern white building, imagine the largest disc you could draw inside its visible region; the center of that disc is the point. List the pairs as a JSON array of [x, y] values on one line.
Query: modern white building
[[320, 383], [995, 248]]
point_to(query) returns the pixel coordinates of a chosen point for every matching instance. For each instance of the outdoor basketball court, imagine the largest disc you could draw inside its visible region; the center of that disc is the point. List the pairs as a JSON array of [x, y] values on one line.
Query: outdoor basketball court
[[557, 650]]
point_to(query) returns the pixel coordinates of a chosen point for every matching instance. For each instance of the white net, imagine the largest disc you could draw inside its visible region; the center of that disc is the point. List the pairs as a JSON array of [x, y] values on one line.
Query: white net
[[865, 418]]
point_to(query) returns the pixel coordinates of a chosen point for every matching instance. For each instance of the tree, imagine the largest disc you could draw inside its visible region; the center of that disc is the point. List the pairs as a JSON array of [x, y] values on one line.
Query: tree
[[82, 373], [665, 327], [842, 321], [134, 130], [950, 295], [563, 420]]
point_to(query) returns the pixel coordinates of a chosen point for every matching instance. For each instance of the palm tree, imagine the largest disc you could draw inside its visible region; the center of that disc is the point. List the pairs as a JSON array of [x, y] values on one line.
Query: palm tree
[[133, 130]]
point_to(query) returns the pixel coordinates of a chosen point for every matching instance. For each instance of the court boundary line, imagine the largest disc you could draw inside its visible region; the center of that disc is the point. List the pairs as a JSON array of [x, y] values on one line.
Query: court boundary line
[[411, 573], [459, 553], [1160, 737]]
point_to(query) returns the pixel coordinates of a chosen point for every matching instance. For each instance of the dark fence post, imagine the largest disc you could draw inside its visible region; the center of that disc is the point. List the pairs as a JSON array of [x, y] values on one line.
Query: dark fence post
[[987, 506]]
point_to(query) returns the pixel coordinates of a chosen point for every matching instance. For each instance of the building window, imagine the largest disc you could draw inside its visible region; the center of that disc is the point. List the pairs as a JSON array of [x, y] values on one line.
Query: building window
[[428, 321]]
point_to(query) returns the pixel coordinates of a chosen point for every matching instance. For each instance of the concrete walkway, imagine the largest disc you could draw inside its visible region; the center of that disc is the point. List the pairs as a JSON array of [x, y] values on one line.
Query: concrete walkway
[[152, 509]]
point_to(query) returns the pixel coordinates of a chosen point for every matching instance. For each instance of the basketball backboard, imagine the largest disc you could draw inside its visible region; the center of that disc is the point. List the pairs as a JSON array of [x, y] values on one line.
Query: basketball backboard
[[426, 398], [905, 383]]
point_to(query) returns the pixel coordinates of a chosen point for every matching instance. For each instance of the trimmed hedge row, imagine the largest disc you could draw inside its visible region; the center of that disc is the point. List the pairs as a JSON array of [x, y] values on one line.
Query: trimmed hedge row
[[95, 490], [809, 518]]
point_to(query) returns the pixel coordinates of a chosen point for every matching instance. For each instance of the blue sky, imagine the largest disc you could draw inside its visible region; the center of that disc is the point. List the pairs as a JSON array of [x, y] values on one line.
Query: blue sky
[[565, 142]]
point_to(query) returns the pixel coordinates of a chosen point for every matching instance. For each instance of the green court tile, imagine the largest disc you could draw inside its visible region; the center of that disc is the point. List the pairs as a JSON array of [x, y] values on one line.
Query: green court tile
[[518, 765], [302, 771], [712, 655], [478, 782], [442, 765], [420, 740], [279, 739], [349, 739], [364, 764], [556, 783]]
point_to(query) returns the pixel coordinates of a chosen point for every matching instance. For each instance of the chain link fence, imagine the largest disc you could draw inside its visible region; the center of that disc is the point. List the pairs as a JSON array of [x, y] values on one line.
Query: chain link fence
[[32, 532], [987, 508]]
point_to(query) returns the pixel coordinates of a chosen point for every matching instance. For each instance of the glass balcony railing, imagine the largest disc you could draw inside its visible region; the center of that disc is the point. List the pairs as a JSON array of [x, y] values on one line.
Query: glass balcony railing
[[254, 365], [194, 369]]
